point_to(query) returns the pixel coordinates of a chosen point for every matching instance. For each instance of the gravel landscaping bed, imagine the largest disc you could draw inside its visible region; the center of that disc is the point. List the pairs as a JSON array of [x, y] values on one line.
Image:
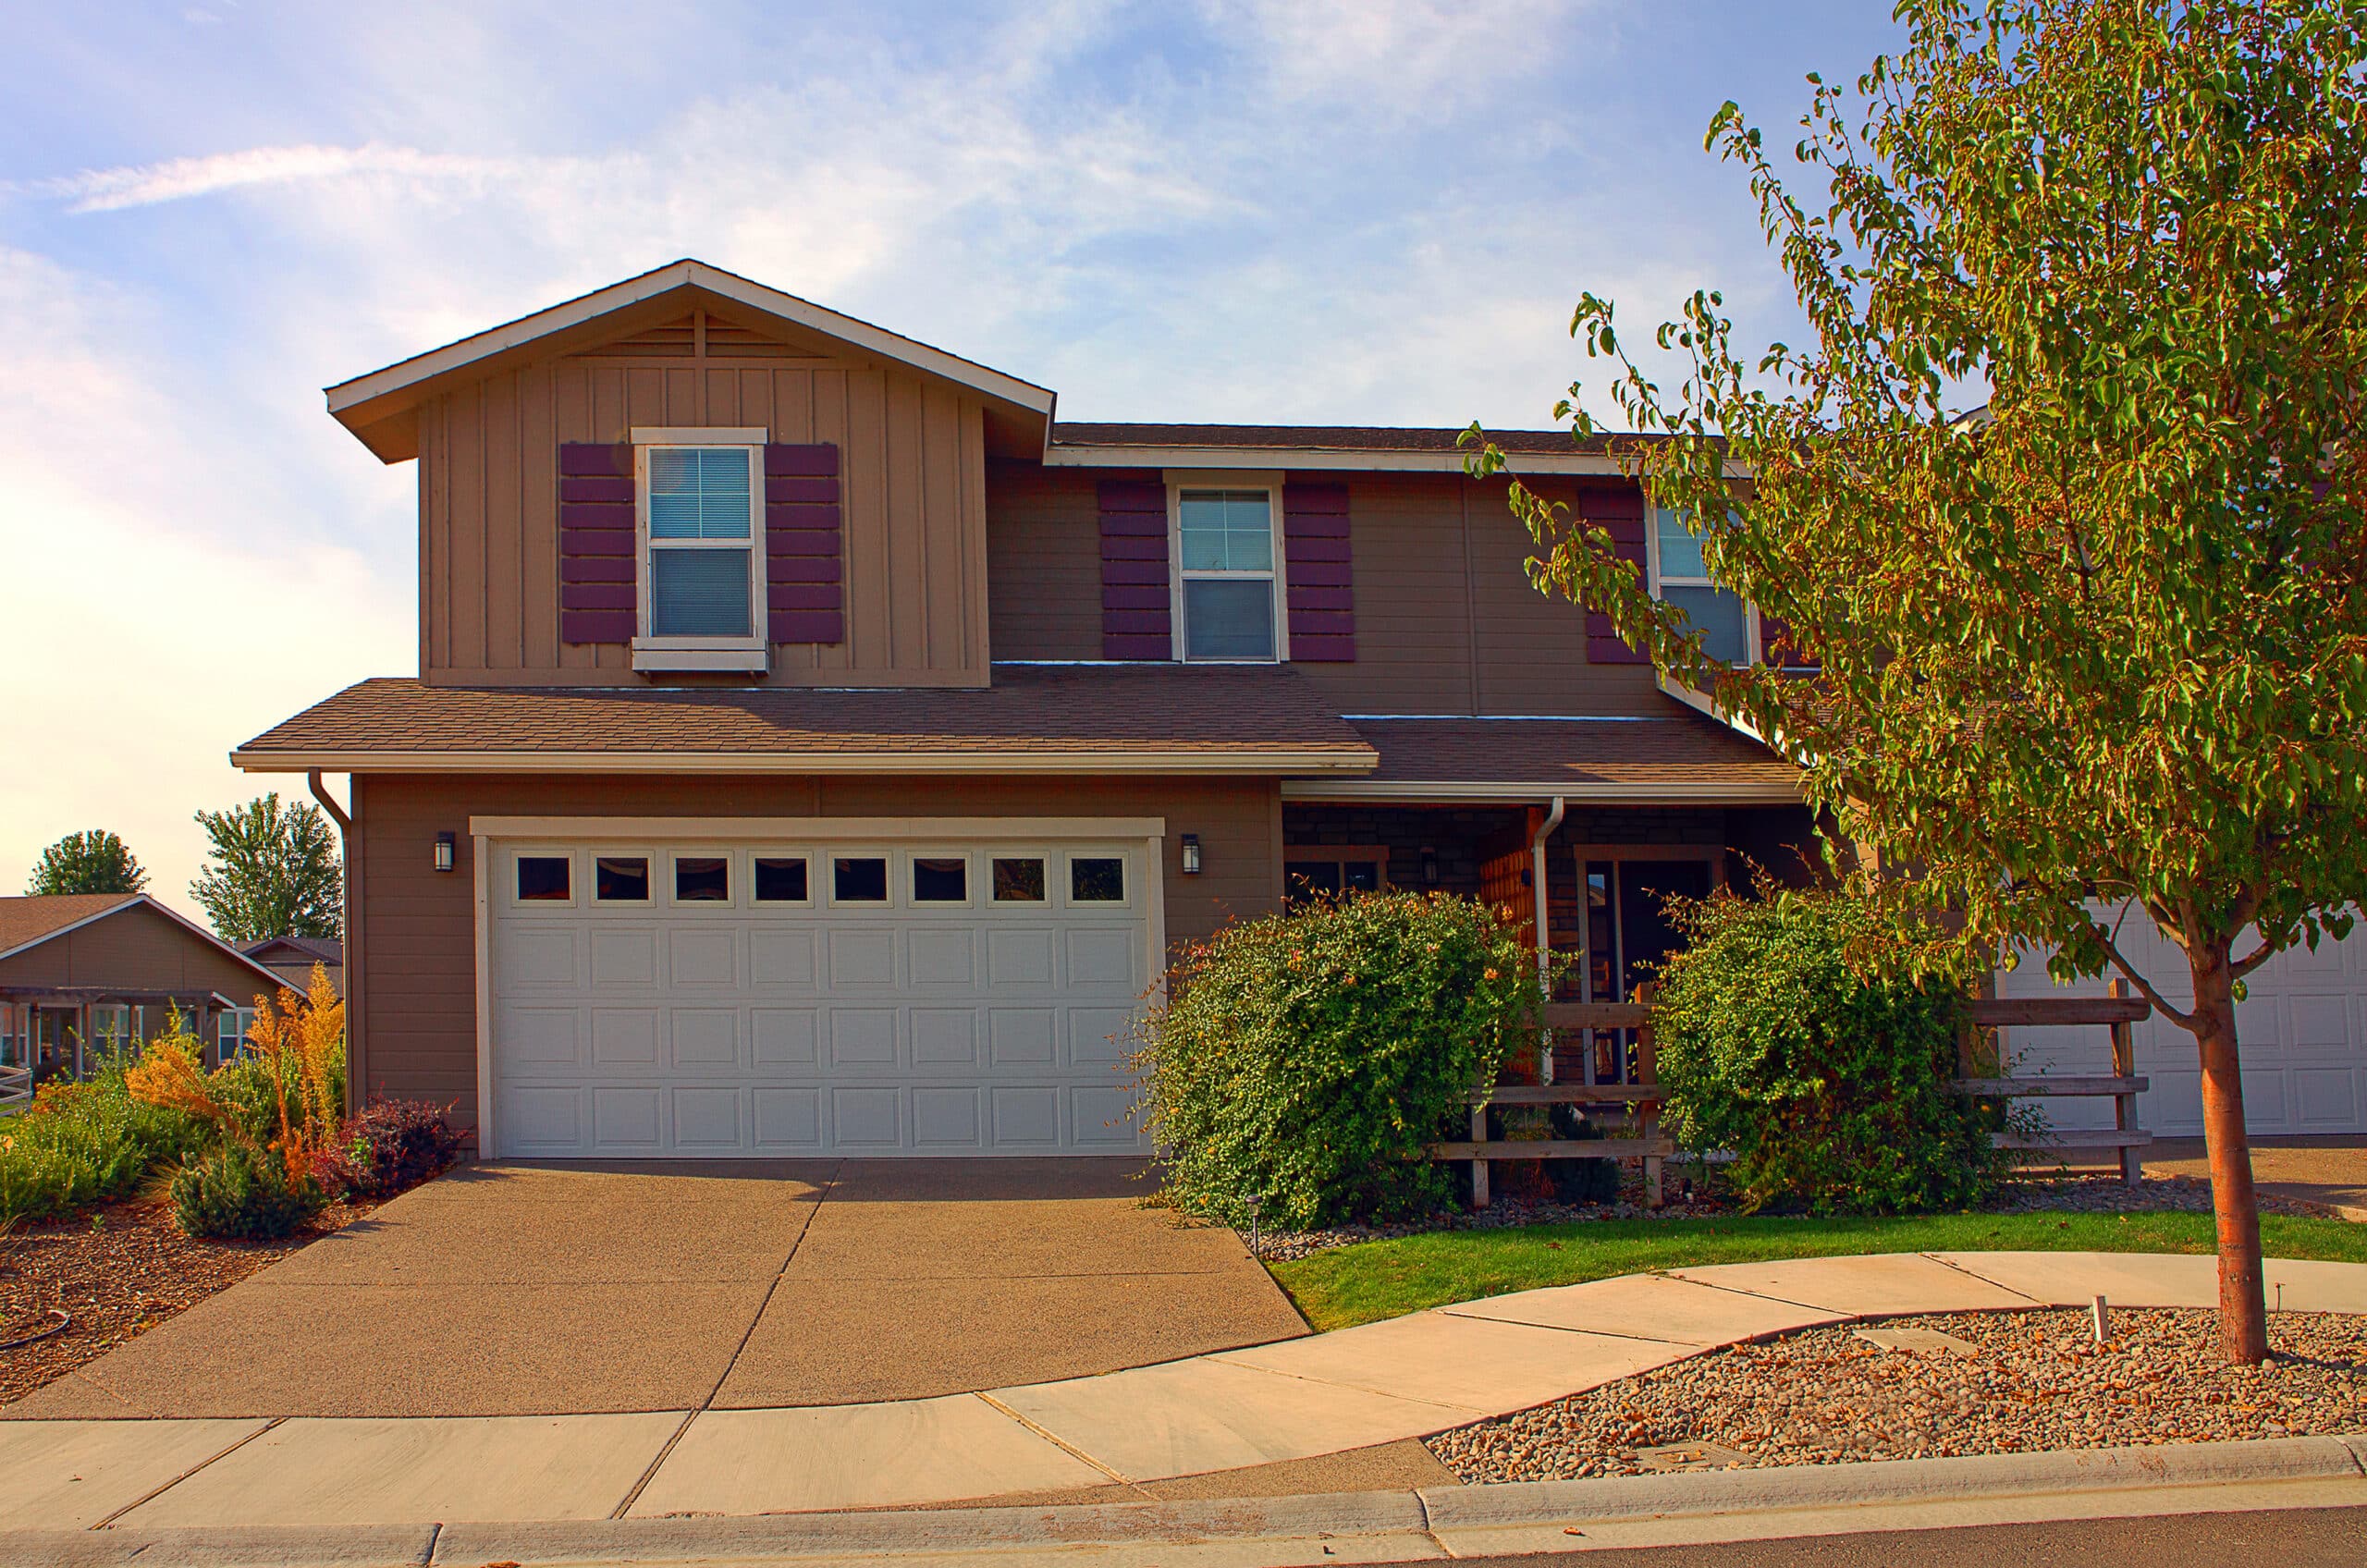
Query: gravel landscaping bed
[[117, 1272], [2021, 1381], [2026, 1194]]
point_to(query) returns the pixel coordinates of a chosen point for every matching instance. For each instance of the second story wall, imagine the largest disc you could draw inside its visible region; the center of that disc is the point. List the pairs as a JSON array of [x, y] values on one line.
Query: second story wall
[[1445, 619], [911, 456]]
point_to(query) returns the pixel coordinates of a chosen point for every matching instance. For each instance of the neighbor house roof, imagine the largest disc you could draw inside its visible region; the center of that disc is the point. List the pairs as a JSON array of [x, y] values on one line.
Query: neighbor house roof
[[1347, 446], [1033, 718], [30, 921], [325, 949], [1678, 757]]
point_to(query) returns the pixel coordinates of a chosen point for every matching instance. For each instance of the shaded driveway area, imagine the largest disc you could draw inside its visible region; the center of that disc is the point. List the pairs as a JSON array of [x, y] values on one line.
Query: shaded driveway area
[[516, 1289]]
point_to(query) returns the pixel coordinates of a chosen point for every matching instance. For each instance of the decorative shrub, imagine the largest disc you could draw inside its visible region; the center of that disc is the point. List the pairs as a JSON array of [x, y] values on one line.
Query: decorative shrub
[[241, 1193], [1789, 1038], [394, 1145], [88, 1143], [1304, 1059]]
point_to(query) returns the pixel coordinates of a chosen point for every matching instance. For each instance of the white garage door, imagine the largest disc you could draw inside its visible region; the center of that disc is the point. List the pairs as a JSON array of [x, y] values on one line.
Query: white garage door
[[2302, 1026], [674, 997]]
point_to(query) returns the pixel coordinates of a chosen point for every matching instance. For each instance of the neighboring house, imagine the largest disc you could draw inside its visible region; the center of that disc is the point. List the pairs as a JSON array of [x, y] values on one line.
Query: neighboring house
[[78, 970], [815, 748], [292, 958]]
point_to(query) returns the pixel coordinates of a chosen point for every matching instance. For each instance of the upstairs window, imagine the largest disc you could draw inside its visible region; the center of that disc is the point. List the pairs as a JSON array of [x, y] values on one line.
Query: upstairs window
[[702, 569], [1227, 605], [1681, 577]]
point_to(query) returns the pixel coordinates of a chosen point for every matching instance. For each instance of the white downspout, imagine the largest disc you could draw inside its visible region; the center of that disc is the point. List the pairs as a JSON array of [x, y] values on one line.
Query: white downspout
[[1544, 943]]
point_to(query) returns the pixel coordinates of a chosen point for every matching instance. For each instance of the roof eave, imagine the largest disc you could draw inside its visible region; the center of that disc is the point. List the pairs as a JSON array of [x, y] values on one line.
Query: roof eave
[[1519, 791], [1324, 760]]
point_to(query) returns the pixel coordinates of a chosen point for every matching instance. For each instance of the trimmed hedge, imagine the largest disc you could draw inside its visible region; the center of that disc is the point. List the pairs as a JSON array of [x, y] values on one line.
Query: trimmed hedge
[[1304, 1059], [1789, 1038]]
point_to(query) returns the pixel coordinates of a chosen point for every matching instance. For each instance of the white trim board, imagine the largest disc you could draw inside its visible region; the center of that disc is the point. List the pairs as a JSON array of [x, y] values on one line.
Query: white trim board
[[818, 827], [937, 763]]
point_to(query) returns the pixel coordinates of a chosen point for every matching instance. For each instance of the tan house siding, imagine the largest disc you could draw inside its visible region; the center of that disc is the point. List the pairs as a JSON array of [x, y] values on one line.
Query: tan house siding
[[134, 949], [913, 456], [1446, 620], [420, 985]]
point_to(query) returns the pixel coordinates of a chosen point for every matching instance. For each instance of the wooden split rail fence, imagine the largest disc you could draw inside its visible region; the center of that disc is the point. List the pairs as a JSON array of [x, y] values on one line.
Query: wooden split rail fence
[[16, 1085], [1642, 1098]]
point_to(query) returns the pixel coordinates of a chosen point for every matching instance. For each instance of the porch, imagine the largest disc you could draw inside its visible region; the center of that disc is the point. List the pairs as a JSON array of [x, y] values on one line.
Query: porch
[[61, 1031]]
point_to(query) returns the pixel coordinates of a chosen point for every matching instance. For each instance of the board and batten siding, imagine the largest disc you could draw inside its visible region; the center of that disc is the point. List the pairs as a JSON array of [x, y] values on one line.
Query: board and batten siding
[[1445, 619], [133, 950], [913, 493], [418, 987]]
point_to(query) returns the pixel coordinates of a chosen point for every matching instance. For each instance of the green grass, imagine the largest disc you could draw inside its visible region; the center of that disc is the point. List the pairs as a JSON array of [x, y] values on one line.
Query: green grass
[[1376, 1280]]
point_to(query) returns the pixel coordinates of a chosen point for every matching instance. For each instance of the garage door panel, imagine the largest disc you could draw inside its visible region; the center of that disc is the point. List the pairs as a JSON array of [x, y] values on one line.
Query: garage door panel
[[867, 1118], [787, 1118], [706, 1118], [2328, 1097], [862, 1036], [2319, 1025], [903, 1025], [625, 1117], [782, 959], [702, 958], [787, 1037], [945, 1036], [703, 1037], [623, 957], [945, 1117], [943, 958]]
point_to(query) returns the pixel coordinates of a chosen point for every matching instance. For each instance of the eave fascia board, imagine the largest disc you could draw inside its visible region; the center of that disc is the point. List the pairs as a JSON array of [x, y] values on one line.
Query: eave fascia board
[[1401, 793], [1329, 459], [938, 763], [407, 373]]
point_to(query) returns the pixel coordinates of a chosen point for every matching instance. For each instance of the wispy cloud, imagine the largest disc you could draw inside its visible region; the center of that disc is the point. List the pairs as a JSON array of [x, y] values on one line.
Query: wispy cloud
[[179, 179]]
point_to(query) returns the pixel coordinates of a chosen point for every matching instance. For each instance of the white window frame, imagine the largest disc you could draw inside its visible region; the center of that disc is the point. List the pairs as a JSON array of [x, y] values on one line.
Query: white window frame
[[1178, 482], [650, 652], [1660, 579]]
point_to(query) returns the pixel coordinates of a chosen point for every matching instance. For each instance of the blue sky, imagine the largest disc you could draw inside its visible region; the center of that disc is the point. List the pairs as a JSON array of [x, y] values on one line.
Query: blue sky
[[1250, 210]]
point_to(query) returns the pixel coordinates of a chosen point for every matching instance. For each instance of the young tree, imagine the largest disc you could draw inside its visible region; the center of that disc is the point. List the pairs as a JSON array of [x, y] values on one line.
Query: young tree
[[273, 871], [2103, 645], [95, 862]]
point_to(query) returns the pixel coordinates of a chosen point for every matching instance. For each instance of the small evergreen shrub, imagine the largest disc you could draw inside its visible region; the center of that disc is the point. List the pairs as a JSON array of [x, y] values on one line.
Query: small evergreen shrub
[[396, 1145], [1304, 1059], [89, 1142], [239, 1192], [1786, 1038]]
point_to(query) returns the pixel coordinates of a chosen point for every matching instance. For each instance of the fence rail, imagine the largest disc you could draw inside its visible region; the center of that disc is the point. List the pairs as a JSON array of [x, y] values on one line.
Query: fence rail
[[15, 1084], [2118, 1013]]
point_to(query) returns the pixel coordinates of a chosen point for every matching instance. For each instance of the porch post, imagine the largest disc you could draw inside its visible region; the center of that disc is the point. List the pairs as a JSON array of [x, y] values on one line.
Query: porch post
[[1539, 898]]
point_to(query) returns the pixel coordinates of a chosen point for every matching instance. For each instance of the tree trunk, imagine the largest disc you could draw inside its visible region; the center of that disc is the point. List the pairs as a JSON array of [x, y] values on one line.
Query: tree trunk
[[2243, 1307]]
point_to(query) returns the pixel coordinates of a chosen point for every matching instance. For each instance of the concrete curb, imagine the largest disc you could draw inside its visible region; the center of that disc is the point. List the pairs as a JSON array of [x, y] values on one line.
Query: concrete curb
[[1342, 1526]]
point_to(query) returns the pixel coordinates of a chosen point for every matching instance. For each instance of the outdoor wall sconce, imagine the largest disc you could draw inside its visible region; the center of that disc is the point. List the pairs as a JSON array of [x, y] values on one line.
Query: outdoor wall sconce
[[444, 846], [1191, 855], [1429, 866]]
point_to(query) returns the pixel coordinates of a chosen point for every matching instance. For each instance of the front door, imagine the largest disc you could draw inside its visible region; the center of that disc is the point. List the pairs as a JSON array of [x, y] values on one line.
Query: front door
[[1628, 934]]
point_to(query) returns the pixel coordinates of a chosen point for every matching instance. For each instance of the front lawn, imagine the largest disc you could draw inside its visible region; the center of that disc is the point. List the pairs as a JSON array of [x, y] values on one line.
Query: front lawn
[[1375, 1280]]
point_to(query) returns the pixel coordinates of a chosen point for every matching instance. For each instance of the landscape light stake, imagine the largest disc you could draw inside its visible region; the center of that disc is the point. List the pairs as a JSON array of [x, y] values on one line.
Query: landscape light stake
[[2103, 1328], [1253, 1228]]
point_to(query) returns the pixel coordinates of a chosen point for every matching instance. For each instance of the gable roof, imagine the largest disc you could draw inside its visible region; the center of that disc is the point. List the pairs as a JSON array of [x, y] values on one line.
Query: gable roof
[[378, 408], [1677, 758], [28, 921], [1033, 718], [301, 949]]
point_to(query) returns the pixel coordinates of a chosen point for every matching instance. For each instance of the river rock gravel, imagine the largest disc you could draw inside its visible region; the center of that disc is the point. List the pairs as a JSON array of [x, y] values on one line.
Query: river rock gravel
[[2033, 1381]]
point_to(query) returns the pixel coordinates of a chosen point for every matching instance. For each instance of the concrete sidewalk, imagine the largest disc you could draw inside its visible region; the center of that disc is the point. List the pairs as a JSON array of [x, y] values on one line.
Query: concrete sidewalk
[[1121, 1435]]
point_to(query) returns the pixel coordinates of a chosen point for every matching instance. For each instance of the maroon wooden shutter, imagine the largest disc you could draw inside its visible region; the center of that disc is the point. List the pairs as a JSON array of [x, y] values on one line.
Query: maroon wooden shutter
[[1136, 622], [804, 544], [1618, 511], [597, 559], [1322, 594]]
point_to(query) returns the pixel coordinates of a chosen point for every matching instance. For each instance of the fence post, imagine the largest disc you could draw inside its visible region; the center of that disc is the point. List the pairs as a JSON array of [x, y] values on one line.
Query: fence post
[[1648, 1071], [1479, 1167], [2124, 1107]]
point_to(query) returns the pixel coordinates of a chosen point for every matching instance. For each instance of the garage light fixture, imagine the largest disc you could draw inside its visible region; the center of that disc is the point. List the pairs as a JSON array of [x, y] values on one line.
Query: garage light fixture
[[1191, 855], [444, 847]]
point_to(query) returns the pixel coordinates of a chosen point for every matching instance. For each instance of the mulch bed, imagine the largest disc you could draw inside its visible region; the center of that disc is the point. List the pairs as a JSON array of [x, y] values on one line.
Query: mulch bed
[[2032, 1380], [118, 1272]]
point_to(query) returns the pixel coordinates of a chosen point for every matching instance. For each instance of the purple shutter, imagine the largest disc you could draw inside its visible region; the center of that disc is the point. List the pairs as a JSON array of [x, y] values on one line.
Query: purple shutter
[[804, 544], [595, 543], [1135, 617], [1322, 593], [1618, 511]]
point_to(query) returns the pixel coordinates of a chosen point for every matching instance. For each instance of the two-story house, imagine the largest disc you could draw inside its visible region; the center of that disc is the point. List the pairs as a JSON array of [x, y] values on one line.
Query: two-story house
[[815, 747]]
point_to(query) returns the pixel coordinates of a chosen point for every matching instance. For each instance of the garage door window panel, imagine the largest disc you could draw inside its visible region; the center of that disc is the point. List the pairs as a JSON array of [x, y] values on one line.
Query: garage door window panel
[[858, 879], [1019, 879], [940, 879], [621, 880], [1098, 880], [703, 879], [544, 878], [781, 879]]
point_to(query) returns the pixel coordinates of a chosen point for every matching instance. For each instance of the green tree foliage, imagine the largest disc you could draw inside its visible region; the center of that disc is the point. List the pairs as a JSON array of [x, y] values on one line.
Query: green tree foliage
[[273, 871], [95, 862], [2109, 637], [1784, 1039], [1304, 1059]]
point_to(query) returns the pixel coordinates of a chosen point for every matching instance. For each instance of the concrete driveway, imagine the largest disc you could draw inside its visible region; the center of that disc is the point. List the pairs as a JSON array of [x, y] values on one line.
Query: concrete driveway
[[513, 1289]]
